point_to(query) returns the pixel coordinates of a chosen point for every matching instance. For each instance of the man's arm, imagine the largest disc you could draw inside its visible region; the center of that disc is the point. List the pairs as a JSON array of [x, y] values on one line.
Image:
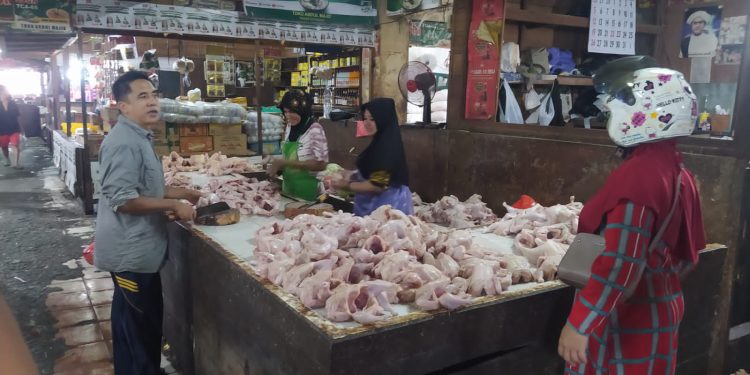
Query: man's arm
[[120, 177], [178, 193]]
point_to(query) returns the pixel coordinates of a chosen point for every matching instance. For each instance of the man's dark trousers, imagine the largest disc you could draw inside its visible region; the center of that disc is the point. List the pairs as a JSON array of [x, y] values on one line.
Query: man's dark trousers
[[137, 323]]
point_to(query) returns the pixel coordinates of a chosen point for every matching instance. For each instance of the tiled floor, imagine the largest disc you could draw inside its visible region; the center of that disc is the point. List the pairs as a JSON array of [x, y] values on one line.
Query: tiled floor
[[82, 307]]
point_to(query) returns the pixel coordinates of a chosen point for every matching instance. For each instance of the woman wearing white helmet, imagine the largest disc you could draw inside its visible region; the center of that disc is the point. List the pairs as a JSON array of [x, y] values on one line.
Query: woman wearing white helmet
[[648, 108]]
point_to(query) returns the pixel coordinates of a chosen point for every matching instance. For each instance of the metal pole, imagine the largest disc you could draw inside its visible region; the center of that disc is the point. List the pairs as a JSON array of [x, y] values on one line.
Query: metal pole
[[258, 82], [83, 95], [66, 87], [54, 72]]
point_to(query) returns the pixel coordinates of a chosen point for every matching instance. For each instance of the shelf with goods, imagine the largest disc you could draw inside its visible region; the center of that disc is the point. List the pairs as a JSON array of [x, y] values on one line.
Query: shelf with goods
[[562, 32]]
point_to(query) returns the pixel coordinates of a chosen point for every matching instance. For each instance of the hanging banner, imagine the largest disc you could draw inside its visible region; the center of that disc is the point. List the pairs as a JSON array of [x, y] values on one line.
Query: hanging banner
[[146, 17], [173, 19], [397, 7], [130, 16], [483, 70], [46, 16], [340, 12]]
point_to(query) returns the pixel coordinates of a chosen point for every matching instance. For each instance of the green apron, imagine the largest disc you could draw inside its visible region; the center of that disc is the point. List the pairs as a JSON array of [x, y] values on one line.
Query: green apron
[[297, 182]]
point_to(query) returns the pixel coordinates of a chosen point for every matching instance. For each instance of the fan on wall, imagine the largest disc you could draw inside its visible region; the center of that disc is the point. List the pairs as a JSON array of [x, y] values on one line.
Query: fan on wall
[[418, 85]]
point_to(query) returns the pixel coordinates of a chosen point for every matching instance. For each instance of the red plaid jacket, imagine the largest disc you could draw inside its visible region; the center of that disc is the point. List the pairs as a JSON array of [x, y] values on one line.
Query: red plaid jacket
[[637, 336]]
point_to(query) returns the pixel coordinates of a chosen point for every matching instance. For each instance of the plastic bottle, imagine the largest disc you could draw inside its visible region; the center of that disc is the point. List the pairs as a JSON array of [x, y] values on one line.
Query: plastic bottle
[[327, 102]]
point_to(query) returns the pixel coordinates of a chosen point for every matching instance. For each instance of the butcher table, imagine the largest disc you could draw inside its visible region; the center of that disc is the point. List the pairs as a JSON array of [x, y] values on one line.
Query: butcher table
[[222, 318]]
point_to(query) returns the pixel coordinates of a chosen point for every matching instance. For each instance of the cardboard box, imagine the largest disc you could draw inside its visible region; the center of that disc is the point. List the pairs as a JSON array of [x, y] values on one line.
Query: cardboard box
[[193, 145], [193, 130], [234, 145], [94, 144], [224, 129], [159, 130]]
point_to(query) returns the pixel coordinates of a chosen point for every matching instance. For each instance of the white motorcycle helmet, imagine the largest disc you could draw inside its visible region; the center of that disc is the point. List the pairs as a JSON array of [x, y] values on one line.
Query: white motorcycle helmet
[[645, 103]]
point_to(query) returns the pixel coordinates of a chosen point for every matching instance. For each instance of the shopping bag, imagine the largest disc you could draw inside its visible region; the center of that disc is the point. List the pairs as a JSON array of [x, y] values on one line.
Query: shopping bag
[[88, 253], [509, 111]]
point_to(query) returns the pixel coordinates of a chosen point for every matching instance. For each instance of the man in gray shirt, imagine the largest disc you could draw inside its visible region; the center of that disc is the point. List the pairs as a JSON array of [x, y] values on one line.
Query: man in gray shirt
[[131, 236]]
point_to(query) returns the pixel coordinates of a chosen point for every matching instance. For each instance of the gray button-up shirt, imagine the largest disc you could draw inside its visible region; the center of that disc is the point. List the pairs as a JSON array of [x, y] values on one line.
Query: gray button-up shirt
[[129, 168]]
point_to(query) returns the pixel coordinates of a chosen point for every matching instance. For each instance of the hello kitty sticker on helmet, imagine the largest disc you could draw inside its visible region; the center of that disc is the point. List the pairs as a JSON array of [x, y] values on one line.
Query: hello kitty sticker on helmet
[[656, 104]]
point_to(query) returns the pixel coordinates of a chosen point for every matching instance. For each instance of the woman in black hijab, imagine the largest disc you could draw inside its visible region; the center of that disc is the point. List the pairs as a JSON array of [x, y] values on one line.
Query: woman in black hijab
[[305, 149], [383, 177]]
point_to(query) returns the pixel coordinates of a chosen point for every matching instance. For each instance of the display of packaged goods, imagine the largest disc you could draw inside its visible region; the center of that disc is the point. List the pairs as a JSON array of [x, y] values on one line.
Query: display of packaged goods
[[273, 126], [187, 112]]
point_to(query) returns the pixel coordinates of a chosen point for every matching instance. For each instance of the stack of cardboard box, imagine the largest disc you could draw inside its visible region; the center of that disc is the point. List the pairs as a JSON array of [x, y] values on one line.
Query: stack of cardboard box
[[189, 139]]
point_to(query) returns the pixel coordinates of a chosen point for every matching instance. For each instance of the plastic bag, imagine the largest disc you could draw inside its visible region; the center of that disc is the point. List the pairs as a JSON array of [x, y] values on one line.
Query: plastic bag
[[547, 108], [511, 114], [88, 253]]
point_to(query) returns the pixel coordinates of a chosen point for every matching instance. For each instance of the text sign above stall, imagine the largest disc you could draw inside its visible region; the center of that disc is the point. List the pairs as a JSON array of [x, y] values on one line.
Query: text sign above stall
[[340, 12], [43, 16], [129, 16]]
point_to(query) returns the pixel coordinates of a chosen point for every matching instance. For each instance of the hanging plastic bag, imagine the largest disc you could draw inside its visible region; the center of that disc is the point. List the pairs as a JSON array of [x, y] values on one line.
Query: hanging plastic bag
[[547, 108], [532, 101], [511, 113]]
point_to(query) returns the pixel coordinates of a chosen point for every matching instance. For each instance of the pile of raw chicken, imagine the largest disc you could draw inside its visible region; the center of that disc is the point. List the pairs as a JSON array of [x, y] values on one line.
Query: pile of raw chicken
[[247, 195], [357, 267], [451, 212], [217, 164]]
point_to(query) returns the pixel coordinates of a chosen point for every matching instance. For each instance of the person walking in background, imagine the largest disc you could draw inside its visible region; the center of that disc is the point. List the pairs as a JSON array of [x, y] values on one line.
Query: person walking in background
[[10, 129], [606, 332], [131, 232]]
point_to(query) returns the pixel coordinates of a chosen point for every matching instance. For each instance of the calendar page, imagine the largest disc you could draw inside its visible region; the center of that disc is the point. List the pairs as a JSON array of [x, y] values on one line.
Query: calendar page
[[612, 27]]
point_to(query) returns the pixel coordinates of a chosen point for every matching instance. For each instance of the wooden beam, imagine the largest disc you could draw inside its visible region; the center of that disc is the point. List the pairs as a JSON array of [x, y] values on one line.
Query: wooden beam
[[555, 19]]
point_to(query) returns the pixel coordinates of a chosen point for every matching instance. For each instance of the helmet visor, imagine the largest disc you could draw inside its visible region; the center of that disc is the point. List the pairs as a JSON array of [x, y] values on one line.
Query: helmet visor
[[616, 77]]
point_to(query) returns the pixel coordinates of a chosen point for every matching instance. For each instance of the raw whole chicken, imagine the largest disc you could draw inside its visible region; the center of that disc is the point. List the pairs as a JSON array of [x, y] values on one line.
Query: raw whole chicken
[[450, 211], [214, 165], [249, 196], [357, 266]]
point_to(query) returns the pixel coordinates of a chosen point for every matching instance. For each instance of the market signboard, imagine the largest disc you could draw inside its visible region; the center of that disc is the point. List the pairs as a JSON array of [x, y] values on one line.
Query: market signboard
[[45, 16], [397, 7], [130, 16], [339, 12], [6, 12]]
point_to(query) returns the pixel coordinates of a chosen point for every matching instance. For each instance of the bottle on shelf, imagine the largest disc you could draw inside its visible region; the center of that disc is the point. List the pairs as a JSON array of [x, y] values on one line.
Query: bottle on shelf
[[327, 102]]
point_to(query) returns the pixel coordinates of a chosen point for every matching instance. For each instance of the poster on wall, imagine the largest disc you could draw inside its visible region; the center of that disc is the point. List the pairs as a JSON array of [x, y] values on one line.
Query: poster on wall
[[46, 16], [397, 7], [731, 40], [483, 69], [343, 12], [700, 32], [429, 34], [612, 27]]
